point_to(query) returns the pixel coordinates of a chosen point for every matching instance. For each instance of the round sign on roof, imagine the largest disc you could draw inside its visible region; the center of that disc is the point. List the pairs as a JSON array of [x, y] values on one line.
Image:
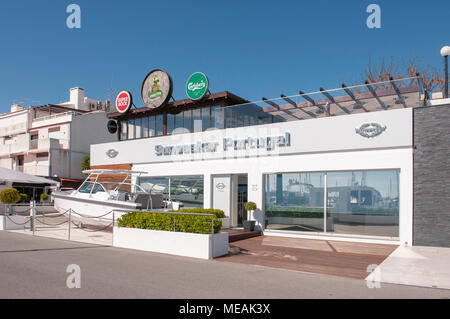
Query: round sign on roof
[[156, 89], [197, 86], [124, 100]]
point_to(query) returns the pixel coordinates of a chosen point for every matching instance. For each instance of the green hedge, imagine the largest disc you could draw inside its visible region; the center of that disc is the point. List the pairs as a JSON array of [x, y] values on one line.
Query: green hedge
[[9, 196], [162, 221], [217, 212]]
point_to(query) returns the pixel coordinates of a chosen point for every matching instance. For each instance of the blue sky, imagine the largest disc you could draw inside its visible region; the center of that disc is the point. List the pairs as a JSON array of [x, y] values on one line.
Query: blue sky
[[251, 48]]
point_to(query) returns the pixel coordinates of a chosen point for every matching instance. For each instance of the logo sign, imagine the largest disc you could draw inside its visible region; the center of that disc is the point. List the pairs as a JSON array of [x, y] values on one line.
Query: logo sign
[[370, 130], [112, 153], [112, 126], [156, 89], [196, 86], [220, 186], [124, 100]]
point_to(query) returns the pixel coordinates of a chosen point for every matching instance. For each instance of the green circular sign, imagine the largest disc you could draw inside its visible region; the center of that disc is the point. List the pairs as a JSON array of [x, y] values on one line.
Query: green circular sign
[[196, 86]]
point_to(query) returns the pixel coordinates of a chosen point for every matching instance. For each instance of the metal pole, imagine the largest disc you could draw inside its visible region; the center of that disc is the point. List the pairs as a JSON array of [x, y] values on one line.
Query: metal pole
[[446, 77], [70, 215], [33, 218], [31, 214], [112, 236], [212, 225]]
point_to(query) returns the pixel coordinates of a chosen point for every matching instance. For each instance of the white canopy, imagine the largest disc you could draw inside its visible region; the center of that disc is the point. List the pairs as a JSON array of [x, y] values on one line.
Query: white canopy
[[7, 175]]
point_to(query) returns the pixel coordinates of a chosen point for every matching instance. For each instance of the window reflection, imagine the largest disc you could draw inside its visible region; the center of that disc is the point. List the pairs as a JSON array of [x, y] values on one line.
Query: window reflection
[[188, 190], [359, 202]]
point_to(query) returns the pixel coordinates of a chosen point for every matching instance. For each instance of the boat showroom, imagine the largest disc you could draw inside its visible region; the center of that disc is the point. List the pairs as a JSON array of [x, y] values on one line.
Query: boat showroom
[[329, 164]]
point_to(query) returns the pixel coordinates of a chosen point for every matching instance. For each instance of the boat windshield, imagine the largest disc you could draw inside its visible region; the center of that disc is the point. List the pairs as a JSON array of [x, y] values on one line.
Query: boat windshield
[[91, 187]]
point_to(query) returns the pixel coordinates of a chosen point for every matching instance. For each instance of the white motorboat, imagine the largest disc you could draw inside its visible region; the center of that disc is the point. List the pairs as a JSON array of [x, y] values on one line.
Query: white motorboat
[[100, 195]]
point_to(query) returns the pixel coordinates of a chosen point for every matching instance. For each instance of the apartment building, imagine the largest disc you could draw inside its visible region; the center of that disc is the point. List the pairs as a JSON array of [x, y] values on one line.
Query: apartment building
[[51, 140]]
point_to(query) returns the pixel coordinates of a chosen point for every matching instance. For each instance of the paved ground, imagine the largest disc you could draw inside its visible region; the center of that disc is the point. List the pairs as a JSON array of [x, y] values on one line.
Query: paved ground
[[35, 267], [426, 267], [337, 258]]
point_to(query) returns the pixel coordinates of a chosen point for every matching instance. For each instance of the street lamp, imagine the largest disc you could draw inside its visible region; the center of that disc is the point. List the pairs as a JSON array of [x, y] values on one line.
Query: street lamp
[[445, 52]]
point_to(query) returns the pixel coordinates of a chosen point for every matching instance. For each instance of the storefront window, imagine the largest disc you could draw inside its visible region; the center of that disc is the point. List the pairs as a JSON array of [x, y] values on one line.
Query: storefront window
[[159, 124], [188, 190], [197, 120], [358, 202], [364, 203], [295, 201]]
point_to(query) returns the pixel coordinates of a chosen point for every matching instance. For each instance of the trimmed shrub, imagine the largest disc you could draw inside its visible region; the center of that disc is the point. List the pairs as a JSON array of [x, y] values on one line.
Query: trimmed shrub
[[9, 196], [23, 198], [44, 196], [170, 222], [250, 206], [217, 212]]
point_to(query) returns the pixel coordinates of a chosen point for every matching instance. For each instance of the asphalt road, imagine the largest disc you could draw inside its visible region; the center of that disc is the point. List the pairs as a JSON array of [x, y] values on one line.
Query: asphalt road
[[35, 267]]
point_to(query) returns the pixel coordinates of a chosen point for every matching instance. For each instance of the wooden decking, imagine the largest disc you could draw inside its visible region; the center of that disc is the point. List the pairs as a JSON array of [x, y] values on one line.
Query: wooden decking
[[337, 258]]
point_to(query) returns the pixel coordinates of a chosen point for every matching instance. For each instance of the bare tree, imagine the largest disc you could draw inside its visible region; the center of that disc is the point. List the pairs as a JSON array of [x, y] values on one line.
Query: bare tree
[[429, 77]]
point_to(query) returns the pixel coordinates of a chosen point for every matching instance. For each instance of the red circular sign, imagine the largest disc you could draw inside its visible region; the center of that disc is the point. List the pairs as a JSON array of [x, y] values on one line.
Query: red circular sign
[[123, 101]]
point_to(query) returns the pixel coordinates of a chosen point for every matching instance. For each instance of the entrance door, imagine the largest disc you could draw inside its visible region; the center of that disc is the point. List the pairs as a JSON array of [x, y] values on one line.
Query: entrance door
[[242, 189]]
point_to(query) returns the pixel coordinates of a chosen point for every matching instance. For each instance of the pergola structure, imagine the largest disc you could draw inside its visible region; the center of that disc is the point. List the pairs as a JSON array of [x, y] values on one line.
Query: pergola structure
[[392, 94]]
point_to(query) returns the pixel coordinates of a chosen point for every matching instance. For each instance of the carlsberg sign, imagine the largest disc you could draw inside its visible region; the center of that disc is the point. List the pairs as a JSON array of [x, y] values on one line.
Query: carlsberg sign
[[196, 86]]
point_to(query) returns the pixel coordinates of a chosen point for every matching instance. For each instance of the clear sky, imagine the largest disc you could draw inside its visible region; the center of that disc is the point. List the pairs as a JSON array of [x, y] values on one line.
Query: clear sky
[[251, 48]]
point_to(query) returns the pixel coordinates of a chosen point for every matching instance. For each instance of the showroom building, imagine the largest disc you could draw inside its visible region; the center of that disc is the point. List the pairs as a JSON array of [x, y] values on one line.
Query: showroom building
[[330, 164]]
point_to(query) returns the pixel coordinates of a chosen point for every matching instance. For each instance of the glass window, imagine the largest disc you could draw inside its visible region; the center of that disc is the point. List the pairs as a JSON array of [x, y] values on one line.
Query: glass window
[[358, 202], [86, 188], [187, 120], [170, 123], [197, 120], [138, 127], [187, 190], [217, 117], [159, 124], [152, 126], [123, 130], [179, 120], [364, 202], [145, 127], [206, 118], [131, 129], [294, 201]]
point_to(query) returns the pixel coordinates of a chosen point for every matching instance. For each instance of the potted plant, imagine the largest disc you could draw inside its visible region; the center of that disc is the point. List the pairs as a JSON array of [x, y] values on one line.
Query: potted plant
[[44, 197], [249, 224], [9, 196]]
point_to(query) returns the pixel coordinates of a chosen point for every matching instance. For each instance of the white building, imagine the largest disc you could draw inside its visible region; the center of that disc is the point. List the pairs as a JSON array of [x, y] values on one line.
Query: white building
[[51, 140], [330, 164]]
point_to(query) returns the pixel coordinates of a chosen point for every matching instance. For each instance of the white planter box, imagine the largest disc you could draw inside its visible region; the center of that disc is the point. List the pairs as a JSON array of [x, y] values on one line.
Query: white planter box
[[225, 222], [203, 246], [10, 222]]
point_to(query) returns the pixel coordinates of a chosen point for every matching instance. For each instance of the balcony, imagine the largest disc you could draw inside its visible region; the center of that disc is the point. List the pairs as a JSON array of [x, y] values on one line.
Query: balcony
[[25, 145]]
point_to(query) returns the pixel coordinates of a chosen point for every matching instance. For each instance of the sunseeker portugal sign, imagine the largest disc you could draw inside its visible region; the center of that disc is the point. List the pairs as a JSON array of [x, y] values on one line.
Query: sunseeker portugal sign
[[124, 100], [156, 89], [197, 86], [269, 143]]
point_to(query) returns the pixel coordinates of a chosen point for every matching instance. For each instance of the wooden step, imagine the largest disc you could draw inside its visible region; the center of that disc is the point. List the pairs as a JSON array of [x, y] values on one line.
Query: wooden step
[[236, 236]]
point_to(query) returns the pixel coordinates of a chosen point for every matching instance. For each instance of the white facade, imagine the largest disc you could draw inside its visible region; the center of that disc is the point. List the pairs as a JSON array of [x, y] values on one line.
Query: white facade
[[328, 144], [50, 141]]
